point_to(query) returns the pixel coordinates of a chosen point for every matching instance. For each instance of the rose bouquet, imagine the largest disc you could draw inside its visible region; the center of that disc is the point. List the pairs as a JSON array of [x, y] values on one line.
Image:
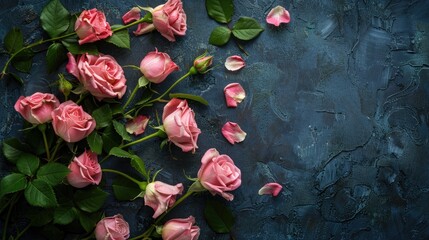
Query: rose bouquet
[[58, 163]]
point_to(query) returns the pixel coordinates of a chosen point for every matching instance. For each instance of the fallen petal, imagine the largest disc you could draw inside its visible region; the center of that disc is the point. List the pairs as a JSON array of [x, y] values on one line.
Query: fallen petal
[[132, 15], [144, 28], [234, 63], [234, 94], [270, 188], [137, 125], [277, 16], [233, 133]]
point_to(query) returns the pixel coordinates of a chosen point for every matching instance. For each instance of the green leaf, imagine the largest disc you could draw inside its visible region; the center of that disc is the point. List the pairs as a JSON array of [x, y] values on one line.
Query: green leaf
[[89, 220], [120, 39], [65, 214], [220, 10], [13, 41], [218, 216], [12, 183], [55, 56], [220, 36], [102, 116], [55, 18], [124, 189], [190, 97], [16, 77], [143, 82], [246, 28], [74, 48], [39, 216], [90, 200], [28, 164], [95, 142], [138, 164], [110, 138], [52, 173], [22, 65], [39, 193], [117, 152], [13, 148], [120, 129]]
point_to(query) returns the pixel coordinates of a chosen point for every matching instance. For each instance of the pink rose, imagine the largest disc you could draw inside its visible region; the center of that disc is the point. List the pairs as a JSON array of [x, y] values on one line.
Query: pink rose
[[218, 174], [160, 196], [170, 19], [37, 108], [101, 75], [156, 66], [180, 228], [112, 228], [84, 170], [91, 26], [179, 124], [71, 123]]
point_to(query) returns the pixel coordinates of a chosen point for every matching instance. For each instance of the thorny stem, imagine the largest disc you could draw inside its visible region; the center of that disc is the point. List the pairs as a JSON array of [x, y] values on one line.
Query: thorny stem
[[171, 87], [155, 134], [42, 129], [133, 93], [6, 221], [59, 141], [123, 175]]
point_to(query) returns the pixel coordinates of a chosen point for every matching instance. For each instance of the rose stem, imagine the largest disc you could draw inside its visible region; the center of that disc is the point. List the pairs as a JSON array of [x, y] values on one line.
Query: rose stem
[[190, 72], [59, 141], [152, 227], [123, 175], [146, 18], [133, 93], [42, 128], [155, 134], [22, 232], [14, 199]]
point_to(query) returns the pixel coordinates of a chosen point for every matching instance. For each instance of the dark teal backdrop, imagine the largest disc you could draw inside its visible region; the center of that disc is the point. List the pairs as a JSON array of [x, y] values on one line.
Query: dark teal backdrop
[[336, 112]]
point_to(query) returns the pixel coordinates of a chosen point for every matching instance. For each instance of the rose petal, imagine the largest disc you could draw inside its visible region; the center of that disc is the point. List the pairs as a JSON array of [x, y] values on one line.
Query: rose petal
[[132, 15], [277, 16], [234, 63], [234, 94], [144, 28], [137, 125], [270, 188], [233, 133]]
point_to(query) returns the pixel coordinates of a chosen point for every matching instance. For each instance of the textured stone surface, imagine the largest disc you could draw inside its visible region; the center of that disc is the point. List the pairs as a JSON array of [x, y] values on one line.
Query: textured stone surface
[[337, 111]]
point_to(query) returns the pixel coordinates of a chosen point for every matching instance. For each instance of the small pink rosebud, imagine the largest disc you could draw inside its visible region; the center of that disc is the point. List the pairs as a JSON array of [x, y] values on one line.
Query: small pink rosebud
[[234, 94], [270, 188], [278, 15], [233, 133], [160, 196], [132, 15], [202, 63], [234, 63], [137, 125], [156, 66], [180, 228]]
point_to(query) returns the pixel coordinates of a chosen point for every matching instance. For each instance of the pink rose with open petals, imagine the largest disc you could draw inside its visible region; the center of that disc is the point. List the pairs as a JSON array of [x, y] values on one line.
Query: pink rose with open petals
[[278, 15], [101, 75], [234, 94], [270, 188], [169, 19], [233, 133], [91, 26], [112, 228], [160, 196], [84, 170], [218, 174], [156, 66], [71, 122], [37, 108], [180, 125], [180, 228]]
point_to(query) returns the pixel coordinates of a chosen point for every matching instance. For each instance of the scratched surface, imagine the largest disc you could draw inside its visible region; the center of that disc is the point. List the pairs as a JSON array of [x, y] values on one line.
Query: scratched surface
[[336, 111]]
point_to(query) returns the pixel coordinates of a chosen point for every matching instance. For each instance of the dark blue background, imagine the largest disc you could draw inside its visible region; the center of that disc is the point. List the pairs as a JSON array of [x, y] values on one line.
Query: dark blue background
[[336, 112]]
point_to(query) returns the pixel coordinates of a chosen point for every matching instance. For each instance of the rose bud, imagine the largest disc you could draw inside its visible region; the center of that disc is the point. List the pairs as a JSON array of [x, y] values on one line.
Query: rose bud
[[37, 108], [180, 125], [160, 196], [112, 228], [156, 66], [91, 26], [84, 170], [64, 86], [169, 19], [202, 63], [71, 122], [101, 75], [180, 228], [218, 174]]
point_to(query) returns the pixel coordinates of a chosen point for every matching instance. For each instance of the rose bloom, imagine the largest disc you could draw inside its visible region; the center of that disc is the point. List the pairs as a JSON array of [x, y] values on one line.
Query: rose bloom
[[71, 122], [112, 228], [160, 196], [101, 75], [91, 26], [156, 66], [37, 108], [84, 170], [169, 19], [180, 125], [218, 174], [180, 228]]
